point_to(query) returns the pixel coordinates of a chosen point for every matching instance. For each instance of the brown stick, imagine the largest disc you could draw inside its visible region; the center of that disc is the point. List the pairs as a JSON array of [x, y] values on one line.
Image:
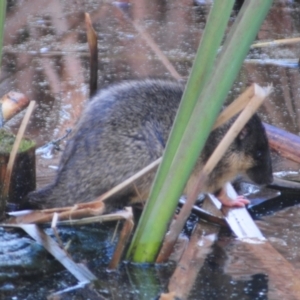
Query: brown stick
[[123, 239]]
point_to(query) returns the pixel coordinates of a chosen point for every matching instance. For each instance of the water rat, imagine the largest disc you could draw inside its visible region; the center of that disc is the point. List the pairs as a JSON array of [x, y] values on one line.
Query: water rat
[[124, 128]]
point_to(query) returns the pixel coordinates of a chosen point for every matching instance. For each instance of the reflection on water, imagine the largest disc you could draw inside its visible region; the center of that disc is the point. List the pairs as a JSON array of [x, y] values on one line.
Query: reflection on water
[[46, 58]]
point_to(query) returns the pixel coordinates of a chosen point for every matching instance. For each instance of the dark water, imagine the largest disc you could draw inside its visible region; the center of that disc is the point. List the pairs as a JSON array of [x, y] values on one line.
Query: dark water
[[46, 57]]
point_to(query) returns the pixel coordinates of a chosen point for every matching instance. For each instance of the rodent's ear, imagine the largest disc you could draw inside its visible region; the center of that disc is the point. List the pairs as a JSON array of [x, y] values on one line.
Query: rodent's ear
[[244, 133]]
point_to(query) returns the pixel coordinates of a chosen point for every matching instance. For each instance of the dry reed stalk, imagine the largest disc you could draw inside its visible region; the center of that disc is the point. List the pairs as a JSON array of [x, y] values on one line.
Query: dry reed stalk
[[40, 216], [25, 217], [118, 216], [292, 63], [235, 107], [15, 148], [276, 42], [123, 239], [167, 296]]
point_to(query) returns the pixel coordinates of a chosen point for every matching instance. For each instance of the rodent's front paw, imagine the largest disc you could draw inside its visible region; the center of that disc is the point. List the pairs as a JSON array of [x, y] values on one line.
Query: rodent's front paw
[[240, 201]]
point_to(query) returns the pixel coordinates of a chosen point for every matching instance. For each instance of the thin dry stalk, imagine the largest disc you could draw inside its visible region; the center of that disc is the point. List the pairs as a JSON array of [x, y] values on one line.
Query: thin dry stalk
[[167, 296], [55, 231], [177, 226], [292, 63], [123, 239], [118, 216], [15, 148], [76, 212], [115, 231], [37, 217], [235, 107], [276, 42]]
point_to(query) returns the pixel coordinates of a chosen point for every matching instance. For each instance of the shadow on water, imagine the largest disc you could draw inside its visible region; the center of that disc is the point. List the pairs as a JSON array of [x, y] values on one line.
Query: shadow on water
[[46, 58]]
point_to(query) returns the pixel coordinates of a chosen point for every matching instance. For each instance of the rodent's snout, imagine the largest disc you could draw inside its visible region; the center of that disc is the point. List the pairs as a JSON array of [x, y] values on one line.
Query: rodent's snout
[[259, 176]]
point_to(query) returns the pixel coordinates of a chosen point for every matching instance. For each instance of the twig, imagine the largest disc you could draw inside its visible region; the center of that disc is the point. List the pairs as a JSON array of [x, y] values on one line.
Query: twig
[[123, 239], [115, 231], [291, 63], [15, 148], [235, 107], [28, 217], [276, 42], [55, 231]]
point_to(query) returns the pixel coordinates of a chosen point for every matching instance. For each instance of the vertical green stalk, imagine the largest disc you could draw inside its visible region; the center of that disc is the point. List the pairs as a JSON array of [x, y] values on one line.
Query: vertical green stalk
[[2, 21], [201, 71], [160, 209]]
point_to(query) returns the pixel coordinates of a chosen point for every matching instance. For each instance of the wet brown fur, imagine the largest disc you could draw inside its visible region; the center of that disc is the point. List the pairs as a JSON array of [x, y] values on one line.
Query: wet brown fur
[[123, 129]]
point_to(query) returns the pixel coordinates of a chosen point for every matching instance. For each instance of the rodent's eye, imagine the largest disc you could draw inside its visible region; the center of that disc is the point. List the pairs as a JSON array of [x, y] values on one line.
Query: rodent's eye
[[259, 154]]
